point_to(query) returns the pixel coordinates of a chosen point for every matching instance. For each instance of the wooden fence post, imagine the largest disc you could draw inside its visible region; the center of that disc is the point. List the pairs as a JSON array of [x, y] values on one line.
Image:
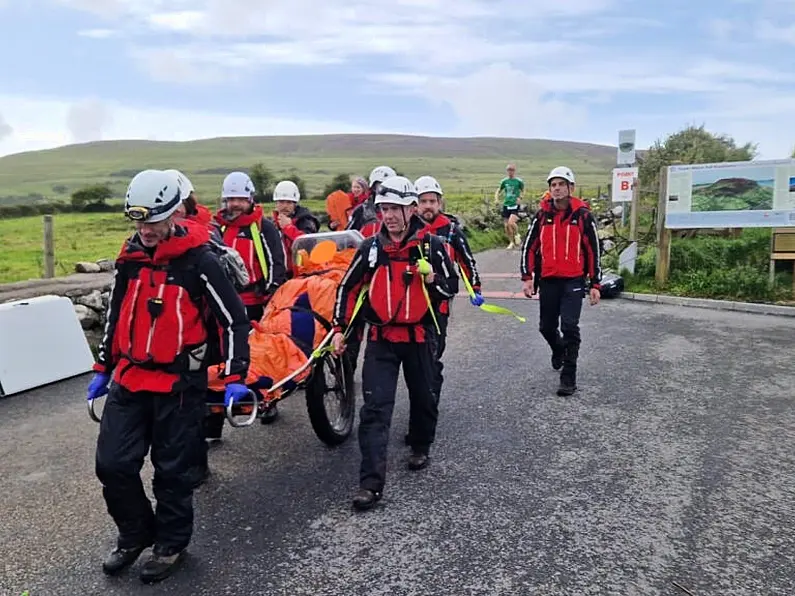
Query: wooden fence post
[[663, 235], [49, 248]]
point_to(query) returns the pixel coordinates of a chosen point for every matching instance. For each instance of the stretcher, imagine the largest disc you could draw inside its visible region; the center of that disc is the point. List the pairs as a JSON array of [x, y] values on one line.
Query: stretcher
[[291, 344]]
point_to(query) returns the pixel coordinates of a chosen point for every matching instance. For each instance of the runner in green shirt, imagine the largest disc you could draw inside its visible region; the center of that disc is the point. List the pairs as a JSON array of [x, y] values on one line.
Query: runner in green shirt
[[513, 188]]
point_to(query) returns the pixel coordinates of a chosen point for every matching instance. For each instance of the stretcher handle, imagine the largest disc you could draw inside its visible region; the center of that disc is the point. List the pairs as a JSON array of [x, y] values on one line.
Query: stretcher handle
[[251, 417]]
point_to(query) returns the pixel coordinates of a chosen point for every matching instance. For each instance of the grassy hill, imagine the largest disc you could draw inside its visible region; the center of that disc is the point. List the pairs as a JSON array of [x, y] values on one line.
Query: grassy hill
[[463, 165]]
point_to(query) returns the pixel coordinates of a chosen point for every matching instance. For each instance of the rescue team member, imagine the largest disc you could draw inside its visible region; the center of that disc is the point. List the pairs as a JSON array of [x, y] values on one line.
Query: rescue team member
[[292, 220], [430, 196], [562, 248], [157, 344], [245, 228], [513, 188], [366, 219], [190, 208], [408, 273]]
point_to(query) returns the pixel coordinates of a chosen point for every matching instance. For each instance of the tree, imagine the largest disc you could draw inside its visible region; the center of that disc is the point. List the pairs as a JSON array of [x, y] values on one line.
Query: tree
[[793, 153], [263, 179], [95, 194], [339, 182], [691, 145]]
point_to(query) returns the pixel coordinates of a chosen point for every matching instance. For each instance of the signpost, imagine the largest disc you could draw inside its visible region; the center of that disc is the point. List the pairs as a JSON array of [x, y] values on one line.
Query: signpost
[[625, 179]]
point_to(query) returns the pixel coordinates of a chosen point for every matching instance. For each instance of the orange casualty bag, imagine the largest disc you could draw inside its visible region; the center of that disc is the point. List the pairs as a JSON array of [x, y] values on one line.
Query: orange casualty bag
[[298, 315]]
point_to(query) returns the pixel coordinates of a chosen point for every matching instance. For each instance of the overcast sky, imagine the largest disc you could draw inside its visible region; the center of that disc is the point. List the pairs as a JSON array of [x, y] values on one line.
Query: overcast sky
[[81, 70]]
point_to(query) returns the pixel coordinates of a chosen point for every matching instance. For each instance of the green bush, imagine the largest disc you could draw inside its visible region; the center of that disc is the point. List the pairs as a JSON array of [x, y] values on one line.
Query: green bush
[[715, 267]]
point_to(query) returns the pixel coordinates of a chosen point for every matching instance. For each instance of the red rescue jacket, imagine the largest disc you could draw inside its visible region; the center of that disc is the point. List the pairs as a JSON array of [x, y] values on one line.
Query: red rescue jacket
[[237, 234], [165, 313], [395, 305], [458, 250], [562, 244]]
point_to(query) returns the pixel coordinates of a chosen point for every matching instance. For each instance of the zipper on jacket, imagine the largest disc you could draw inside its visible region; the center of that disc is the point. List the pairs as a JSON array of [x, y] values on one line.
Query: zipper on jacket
[[408, 298], [568, 229], [154, 322], [131, 318]]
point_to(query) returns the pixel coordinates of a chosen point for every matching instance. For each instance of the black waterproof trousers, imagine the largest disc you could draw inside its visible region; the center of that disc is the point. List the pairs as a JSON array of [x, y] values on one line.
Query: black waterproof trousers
[[382, 362], [561, 302], [170, 425]]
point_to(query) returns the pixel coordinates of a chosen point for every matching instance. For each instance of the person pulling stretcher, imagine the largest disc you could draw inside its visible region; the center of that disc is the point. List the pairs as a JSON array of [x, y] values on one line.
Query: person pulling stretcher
[[397, 280]]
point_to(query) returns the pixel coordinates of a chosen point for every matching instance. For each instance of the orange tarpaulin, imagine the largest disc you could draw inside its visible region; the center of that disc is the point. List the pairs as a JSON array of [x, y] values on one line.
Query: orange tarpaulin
[[288, 325]]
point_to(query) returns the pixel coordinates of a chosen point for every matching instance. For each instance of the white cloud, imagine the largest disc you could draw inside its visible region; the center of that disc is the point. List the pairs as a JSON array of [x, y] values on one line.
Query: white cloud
[[771, 32], [5, 128], [502, 101], [98, 33], [87, 119], [40, 123]]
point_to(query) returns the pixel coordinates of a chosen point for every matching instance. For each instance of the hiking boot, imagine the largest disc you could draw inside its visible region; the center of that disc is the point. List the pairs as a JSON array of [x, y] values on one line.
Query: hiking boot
[[568, 381], [366, 499], [270, 414], [418, 461], [510, 246], [159, 567], [121, 558]]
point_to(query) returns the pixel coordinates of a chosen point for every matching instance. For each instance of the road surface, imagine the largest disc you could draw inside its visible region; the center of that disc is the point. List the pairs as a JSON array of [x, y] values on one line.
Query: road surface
[[673, 463]]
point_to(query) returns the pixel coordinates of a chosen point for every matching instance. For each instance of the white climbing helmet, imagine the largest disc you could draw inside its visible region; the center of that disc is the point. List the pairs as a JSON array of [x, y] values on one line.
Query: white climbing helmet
[[397, 190], [380, 174], [561, 172], [427, 184], [286, 190], [238, 185], [184, 183], [152, 196]]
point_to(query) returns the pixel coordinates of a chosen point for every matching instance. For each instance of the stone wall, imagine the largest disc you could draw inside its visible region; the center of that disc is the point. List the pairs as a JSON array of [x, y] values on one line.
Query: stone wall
[[88, 289]]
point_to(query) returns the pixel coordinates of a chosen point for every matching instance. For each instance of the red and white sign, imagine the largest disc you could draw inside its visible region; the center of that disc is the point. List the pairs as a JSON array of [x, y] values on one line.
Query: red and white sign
[[622, 184]]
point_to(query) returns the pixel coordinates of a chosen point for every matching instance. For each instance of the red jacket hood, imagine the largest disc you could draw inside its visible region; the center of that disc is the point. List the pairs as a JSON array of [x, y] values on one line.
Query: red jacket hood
[[187, 235], [575, 202], [242, 221], [203, 215], [438, 223]]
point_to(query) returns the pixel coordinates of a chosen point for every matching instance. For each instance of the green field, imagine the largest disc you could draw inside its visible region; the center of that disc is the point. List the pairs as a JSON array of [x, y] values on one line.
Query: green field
[[94, 236], [463, 165]]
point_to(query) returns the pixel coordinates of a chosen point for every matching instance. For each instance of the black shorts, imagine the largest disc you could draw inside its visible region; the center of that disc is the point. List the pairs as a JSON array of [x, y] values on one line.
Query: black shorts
[[508, 211]]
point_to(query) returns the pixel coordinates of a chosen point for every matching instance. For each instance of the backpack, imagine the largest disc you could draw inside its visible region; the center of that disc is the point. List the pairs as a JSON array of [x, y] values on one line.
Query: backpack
[[232, 263]]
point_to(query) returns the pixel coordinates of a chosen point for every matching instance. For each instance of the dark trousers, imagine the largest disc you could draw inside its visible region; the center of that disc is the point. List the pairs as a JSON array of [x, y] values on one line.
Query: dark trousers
[[561, 301], [382, 362], [169, 425], [255, 311], [438, 378]]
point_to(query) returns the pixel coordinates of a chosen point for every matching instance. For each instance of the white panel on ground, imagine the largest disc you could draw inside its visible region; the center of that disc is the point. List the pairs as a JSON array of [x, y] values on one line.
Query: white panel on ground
[[41, 341]]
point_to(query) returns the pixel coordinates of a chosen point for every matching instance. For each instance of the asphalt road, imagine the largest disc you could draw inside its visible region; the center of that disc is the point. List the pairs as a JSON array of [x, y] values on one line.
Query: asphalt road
[[673, 463]]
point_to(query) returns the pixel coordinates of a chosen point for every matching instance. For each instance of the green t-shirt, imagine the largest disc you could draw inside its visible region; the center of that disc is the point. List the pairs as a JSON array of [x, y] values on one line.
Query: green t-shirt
[[512, 187]]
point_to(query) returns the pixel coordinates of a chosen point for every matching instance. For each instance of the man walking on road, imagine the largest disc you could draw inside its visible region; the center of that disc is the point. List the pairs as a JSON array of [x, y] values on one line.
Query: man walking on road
[[158, 342], [407, 273], [513, 188], [429, 193], [562, 248]]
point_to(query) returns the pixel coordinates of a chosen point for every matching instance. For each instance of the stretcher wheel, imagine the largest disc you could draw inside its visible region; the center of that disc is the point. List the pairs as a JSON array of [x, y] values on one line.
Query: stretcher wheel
[[330, 400]]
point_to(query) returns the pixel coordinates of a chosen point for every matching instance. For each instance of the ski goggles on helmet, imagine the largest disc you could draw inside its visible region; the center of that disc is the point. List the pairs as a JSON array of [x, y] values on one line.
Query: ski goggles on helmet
[[139, 213]]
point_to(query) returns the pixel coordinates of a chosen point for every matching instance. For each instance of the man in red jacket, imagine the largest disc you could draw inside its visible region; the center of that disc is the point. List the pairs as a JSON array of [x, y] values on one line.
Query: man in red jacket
[[245, 228], [562, 249], [170, 298], [407, 273], [429, 194], [291, 219]]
